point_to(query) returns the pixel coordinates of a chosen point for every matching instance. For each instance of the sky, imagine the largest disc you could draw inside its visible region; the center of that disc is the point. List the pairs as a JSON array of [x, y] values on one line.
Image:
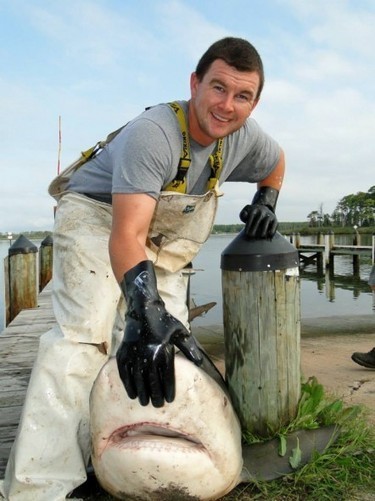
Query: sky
[[98, 63]]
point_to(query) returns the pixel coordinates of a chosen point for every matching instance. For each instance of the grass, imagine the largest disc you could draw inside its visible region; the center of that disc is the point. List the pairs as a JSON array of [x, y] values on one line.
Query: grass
[[344, 472]]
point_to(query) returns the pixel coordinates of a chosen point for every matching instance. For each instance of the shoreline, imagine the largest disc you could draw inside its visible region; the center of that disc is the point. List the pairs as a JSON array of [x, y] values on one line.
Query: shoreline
[[316, 326]]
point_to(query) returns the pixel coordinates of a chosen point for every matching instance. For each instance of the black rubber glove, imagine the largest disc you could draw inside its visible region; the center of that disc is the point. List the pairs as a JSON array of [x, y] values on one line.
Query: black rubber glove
[[145, 358], [259, 217]]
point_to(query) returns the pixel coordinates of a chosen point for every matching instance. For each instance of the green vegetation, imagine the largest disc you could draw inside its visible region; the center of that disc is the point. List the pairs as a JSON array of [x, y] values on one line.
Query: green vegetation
[[352, 210], [31, 235], [305, 229], [314, 410], [227, 228], [287, 228]]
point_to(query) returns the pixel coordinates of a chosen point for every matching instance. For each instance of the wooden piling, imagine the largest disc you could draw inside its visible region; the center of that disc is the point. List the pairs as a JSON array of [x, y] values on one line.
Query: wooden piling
[[20, 278], [329, 242], [356, 258], [261, 315], [45, 262]]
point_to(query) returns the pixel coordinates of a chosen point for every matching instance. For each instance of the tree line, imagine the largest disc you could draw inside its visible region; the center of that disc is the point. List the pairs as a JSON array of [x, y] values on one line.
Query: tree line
[[357, 209]]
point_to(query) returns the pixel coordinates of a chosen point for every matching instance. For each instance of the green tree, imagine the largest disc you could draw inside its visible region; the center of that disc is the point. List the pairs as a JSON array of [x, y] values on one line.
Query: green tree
[[356, 209]]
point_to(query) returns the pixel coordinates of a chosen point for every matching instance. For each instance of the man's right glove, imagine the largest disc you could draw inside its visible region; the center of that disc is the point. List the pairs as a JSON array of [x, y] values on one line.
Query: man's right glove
[[145, 358], [259, 217]]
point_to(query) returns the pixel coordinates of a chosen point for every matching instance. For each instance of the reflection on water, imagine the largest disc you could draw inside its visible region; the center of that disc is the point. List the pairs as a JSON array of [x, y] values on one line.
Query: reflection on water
[[321, 295], [325, 282]]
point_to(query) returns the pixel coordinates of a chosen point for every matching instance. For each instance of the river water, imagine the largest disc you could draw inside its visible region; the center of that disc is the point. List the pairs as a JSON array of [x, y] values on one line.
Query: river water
[[320, 296]]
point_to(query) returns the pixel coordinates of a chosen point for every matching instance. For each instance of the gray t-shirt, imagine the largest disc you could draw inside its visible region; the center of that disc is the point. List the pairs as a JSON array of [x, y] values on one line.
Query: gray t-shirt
[[144, 156]]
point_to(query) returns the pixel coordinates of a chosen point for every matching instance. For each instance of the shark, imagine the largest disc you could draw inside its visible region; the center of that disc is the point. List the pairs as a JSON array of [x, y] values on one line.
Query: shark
[[189, 449]]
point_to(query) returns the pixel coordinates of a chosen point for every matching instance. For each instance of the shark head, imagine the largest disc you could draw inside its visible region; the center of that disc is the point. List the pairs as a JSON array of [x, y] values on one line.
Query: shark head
[[187, 449]]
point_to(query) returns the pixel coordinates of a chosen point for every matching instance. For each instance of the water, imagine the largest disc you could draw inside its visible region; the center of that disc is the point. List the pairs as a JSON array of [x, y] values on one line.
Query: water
[[320, 297]]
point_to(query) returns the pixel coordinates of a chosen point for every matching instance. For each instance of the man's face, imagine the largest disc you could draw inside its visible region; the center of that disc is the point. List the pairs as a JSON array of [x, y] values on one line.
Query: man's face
[[221, 102]]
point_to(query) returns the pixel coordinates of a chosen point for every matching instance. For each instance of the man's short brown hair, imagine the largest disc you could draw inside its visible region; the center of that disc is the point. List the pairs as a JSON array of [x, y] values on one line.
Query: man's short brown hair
[[236, 52]]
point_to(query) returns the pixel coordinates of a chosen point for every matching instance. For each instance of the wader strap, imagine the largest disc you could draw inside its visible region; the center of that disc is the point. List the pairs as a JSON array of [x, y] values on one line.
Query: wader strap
[[92, 152], [216, 160], [179, 183]]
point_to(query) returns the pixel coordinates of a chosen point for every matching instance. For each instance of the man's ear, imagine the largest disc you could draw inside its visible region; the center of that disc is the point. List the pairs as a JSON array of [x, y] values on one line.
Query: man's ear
[[193, 84], [253, 106]]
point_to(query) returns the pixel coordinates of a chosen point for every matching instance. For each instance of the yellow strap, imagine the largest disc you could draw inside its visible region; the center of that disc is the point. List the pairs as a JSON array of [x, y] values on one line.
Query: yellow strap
[[179, 184], [87, 154], [216, 160]]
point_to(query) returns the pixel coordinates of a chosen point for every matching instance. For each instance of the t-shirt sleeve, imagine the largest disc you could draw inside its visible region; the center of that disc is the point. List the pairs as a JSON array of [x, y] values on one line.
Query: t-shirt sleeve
[[142, 158]]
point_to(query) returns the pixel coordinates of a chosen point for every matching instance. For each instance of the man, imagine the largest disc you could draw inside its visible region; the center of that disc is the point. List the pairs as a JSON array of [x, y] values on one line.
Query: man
[[151, 195]]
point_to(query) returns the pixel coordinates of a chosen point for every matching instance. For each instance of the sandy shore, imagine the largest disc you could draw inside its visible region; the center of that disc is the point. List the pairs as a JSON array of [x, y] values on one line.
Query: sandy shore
[[327, 344]]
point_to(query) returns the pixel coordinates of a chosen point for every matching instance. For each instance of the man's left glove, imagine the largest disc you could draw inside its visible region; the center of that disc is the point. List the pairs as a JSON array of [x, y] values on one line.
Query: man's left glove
[[259, 217], [145, 358]]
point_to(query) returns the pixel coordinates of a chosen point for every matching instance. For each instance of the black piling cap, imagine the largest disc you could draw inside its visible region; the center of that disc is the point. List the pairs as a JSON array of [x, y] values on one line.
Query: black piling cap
[[47, 242], [22, 246], [250, 254]]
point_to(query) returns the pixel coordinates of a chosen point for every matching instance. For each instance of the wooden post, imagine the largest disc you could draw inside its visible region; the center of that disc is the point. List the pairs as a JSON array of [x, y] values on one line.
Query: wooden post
[[329, 242], [261, 313], [21, 277], [356, 260], [319, 255], [45, 262], [296, 241]]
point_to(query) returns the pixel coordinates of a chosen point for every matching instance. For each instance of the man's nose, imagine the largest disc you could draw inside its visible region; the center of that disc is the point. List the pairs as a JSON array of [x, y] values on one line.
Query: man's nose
[[227, 102]]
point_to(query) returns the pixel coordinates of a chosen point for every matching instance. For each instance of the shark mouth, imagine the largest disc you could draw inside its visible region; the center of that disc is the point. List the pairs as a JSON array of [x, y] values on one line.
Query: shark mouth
[[153, 436]]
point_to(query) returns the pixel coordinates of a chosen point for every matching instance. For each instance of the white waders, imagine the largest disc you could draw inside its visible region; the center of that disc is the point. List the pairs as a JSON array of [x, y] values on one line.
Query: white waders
[[52, 448]]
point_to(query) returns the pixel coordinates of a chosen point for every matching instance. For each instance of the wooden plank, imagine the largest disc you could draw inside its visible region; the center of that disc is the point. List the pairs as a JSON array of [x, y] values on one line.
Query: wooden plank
[[10, 416]]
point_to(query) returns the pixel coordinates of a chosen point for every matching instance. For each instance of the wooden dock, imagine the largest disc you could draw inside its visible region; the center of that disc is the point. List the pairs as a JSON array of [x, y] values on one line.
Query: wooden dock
[[323, 252], [18, 348]]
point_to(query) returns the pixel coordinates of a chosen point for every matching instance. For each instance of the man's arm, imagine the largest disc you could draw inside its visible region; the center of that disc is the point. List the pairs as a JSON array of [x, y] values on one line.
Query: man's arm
[[145, 358], [276, 177], [259, 217], [132, 214]]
